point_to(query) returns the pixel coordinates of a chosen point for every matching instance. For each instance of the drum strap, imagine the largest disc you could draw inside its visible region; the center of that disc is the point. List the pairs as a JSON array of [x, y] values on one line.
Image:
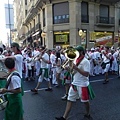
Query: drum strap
[[9, 80]]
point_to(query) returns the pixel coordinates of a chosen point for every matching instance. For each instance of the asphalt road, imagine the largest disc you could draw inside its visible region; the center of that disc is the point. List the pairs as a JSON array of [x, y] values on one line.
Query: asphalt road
[[48, 105]]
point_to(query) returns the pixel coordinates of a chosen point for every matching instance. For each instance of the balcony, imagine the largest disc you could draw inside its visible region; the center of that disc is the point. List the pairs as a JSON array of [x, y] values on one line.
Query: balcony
[[105, 21], [85, 18], [110, 1], [39, 3], [61, 19], [30, 6]]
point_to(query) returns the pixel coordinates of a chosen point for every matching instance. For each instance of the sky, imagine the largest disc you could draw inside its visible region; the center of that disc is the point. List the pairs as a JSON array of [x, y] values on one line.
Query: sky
[[3, 30]]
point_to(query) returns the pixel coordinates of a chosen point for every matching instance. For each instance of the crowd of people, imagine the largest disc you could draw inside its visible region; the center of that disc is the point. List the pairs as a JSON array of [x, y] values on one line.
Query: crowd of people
[[41, 63]]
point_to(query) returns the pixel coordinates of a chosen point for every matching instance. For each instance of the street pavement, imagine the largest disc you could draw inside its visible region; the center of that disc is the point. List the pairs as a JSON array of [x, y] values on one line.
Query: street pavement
[[47, 105]]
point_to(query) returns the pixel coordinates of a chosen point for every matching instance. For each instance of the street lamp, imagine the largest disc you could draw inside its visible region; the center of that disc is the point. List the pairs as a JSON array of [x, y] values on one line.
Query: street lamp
[[80, 34], [43, 35], [9, 14]]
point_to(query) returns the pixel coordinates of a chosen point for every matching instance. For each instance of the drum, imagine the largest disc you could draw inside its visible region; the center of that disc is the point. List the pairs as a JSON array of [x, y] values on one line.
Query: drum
[[3, 102], [3, 70]]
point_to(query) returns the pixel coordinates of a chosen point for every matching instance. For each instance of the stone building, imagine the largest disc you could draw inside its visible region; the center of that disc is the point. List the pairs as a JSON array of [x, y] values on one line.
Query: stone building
[[67, 22]]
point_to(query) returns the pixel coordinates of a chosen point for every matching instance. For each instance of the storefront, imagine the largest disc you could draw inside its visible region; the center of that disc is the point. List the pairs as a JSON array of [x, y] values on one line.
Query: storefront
[[103, 38], [61, 38]]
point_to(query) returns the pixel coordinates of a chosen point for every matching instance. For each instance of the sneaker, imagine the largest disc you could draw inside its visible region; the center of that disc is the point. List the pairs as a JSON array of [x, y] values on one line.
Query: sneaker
[[34, 90], [57, 86], [87, 116], [60, 118], [64, 97], [48, 89]]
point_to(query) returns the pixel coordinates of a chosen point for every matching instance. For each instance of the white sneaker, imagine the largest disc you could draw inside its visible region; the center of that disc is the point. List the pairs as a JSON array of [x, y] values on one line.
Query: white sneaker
[[64, 97]]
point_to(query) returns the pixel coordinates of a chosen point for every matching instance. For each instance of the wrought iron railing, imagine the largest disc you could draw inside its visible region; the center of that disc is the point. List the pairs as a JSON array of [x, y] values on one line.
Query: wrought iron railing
[[105, 20]]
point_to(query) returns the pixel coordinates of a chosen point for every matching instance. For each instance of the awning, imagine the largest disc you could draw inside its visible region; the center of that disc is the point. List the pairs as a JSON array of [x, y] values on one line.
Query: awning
[[36, 34]]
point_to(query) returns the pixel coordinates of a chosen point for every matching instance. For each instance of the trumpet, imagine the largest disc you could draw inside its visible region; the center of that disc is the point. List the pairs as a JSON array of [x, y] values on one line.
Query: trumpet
[[38, 55], [71, 54]]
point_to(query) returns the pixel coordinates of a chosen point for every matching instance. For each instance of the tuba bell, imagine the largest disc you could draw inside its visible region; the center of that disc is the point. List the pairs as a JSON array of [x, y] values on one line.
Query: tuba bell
[[71, 54]]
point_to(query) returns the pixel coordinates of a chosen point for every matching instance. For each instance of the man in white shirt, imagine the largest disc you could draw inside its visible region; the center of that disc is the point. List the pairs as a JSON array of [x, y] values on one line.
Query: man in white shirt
[[44, 73], [79, 84], [17, 56], [53, 62]]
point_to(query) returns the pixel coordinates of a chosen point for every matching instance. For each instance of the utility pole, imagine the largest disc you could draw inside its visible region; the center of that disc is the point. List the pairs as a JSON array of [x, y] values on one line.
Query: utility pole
[[10, 38]]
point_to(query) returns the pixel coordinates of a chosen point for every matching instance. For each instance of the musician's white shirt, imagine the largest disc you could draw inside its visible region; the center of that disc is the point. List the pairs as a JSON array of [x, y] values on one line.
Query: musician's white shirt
[[92, 57], [15, 82], [97, 54], [79, 79], [18, 63], [44, 64], [53, 59]]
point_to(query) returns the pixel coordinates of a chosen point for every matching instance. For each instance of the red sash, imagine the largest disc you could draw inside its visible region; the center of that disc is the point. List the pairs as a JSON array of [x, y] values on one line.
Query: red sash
[[79, 59]]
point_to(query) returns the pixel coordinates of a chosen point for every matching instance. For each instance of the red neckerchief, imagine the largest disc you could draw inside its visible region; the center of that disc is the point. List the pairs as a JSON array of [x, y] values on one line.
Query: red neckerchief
[[11, 70], [18, 52], [79, 59]]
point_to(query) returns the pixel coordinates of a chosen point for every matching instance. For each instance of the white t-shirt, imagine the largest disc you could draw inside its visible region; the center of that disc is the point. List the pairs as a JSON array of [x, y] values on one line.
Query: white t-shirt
[[79, 79], [18, 63], [44, 64], [53, 59], [15, 82], [105, 59]]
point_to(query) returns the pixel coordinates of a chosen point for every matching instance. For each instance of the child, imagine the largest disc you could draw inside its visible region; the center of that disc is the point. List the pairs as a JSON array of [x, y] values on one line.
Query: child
[[14, 108]]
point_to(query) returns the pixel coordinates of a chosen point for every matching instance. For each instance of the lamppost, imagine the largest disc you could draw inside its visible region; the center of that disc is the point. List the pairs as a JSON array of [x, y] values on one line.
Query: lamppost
[[43, 35], [10, 41], [80, 34]]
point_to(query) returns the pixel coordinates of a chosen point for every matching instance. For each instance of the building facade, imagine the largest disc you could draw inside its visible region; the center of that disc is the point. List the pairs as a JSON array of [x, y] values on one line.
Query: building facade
[[68, 22]]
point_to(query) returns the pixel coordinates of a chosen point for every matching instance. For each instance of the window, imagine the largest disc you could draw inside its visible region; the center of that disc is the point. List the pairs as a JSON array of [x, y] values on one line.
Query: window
[[25, 12], [38, 18], [61, 37], [104, 14], [84, 12], [61, 15], [44, 20]]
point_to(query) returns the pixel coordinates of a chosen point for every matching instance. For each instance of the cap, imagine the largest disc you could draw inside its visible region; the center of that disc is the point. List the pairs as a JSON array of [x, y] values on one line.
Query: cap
[[79, 48], [14, 44]]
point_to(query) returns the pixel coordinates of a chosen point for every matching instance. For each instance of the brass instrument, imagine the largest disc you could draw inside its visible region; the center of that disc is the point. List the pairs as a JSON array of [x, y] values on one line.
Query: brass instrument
[[71, 54], [39, 54]]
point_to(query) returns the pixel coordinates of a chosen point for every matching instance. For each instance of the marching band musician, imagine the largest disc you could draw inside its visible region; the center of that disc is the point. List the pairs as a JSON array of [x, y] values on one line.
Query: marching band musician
[[92, 62], [66, 75], [58, 68], [14, 107], [106, 61], [79, 84], [53, 69], [44, 73], [17, 56], [97, 61], [29, 66], [37, 62], [2, 80]]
